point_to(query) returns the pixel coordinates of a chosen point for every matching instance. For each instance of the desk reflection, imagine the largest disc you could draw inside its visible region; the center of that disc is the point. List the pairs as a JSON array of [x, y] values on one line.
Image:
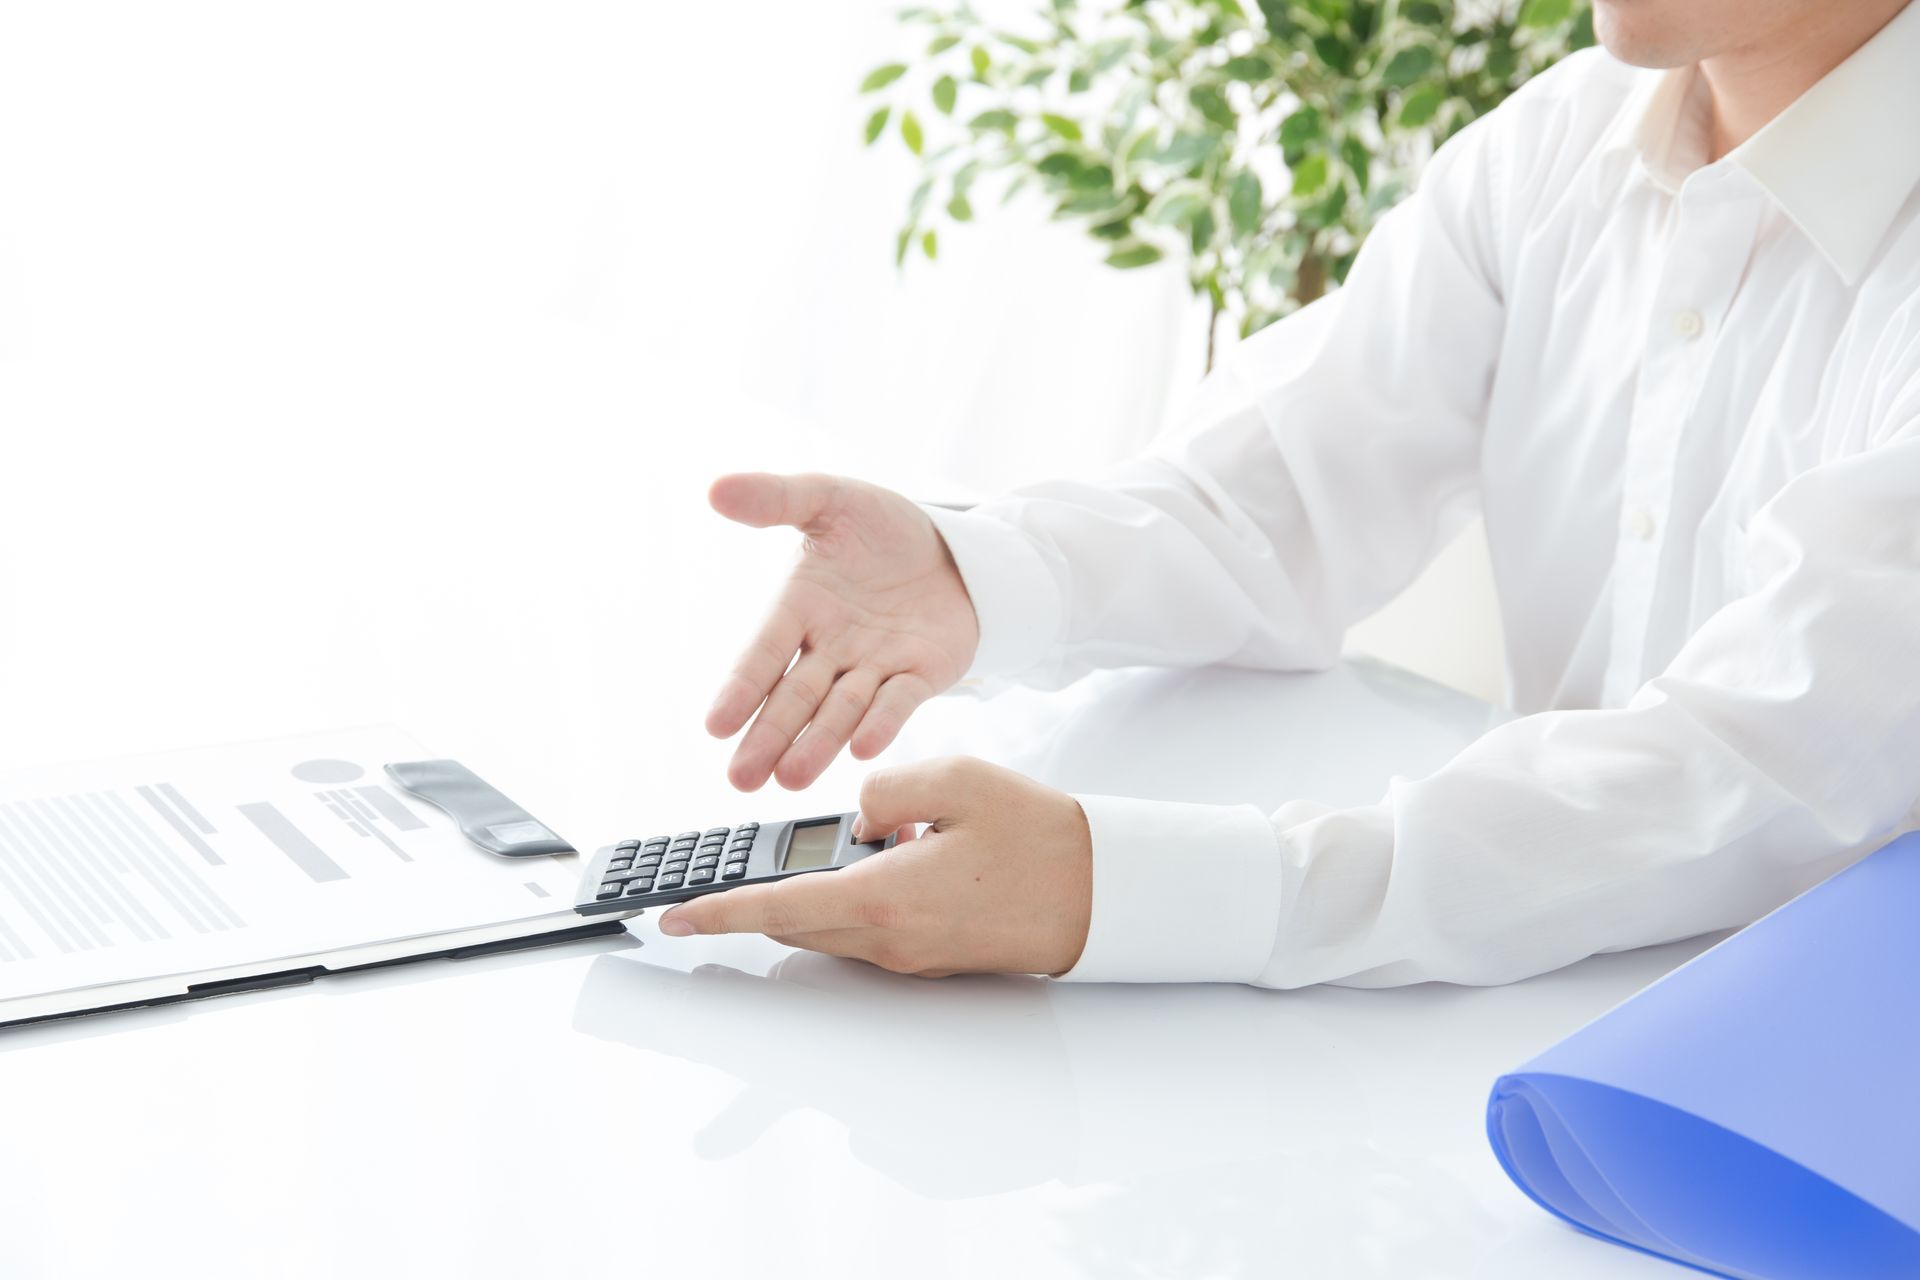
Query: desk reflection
[[1204, 1130]]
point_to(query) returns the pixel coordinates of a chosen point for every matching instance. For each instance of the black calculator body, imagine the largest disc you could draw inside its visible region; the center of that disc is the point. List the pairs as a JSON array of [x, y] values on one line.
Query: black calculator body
[[633, 874]]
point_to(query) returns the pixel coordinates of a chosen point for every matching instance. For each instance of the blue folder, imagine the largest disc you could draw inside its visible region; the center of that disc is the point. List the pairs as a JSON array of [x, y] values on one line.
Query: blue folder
[[1755, 1113]]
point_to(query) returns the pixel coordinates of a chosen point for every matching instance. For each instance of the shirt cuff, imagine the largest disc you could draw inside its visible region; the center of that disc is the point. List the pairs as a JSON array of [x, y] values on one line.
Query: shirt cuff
[[1015, 598], [1181, 892]]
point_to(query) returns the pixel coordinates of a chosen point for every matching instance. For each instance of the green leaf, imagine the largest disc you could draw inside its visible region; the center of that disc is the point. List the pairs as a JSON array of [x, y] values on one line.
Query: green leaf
[[910, 132], [1138, 255], [995, 119], [960, 209], [1249, 68], [945, 91], [1212, 104], [1100, 202], [1200, 230], [930, 245], [1279, 16], [1177, 206], [1545, 13], [1425, 12], [1358, 159], [1079, 81], [1408, 65], [1243, 202], [1422, 103], [881, 77], [980, 61], [1335, 52], [1062, 126], [1091, 177], [941, 44], [1058, 164], [1109, 54], [1299, 130], [1115, 230], [900, 246], [1310, 174], [877, 124], [1187, 150]]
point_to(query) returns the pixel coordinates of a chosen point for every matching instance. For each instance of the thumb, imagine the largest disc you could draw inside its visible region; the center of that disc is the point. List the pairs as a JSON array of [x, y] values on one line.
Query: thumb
[[761, 500], [933, 791]]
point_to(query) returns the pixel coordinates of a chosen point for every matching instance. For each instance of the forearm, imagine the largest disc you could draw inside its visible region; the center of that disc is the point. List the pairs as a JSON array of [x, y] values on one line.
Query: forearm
[[1777, 747]]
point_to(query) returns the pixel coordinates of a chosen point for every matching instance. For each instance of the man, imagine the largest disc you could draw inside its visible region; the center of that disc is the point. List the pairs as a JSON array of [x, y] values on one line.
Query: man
[[1659, 319]]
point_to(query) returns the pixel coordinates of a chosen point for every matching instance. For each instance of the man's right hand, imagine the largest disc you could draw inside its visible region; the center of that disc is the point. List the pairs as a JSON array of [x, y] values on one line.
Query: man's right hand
[[875, 610]]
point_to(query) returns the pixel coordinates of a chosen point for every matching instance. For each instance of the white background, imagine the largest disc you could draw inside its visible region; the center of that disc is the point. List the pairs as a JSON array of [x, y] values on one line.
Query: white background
[[386, 317]]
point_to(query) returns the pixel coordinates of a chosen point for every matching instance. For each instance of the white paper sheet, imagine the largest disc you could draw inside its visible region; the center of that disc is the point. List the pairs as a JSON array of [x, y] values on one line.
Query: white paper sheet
[[179, 865]]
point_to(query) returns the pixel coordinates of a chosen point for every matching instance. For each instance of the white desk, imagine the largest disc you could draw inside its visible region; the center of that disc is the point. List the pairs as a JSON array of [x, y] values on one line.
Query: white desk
[[723, 1106]]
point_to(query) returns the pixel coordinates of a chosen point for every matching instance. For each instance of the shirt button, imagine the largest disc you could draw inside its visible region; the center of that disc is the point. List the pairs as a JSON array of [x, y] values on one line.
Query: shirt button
[[1640, 523], [1688, 324]]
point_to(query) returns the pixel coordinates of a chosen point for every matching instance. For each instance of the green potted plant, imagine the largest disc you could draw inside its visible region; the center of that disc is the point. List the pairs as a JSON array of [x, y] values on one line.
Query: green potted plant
[[1257, 142]]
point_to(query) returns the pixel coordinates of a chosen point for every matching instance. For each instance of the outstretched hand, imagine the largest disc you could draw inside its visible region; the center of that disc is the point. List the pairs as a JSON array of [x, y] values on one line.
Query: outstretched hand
[[873, 621]]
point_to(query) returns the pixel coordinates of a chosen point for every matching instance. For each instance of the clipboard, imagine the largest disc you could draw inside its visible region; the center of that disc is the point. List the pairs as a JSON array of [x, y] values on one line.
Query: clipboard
[[212, 871]]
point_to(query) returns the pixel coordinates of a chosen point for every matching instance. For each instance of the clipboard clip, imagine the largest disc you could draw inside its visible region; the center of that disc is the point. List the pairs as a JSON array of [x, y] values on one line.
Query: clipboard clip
[[485, 816]]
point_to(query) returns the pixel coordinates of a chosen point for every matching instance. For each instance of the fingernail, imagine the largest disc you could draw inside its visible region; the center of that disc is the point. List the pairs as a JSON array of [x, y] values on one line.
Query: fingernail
[[859, 832], [676, 926]]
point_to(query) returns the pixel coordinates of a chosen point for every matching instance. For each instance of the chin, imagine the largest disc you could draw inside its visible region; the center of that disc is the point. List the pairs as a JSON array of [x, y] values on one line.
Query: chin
[[1639, 34]]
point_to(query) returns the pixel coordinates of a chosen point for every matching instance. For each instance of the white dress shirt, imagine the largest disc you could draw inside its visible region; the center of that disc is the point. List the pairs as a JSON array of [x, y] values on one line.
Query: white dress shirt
[[1686, 398]]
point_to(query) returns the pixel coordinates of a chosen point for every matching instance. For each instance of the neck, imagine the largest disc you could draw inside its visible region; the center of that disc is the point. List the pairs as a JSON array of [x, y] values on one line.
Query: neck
[[1755, 82]]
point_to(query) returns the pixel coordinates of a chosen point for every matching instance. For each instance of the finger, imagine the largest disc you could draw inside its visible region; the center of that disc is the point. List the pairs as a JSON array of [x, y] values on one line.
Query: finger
[[787, 710], [761, 500], [829, 730], [895, 701], [797, 905], [929, 791], [764, 662]]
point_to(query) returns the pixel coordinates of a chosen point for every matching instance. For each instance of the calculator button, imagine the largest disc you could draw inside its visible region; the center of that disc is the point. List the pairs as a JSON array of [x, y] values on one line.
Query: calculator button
[[636, 889], [607, 891], [748, 826], [668, 882], [705, 864], [740, 846], [651, 860], [734, 871], [701, 877], [677, 862], [619, 864], [629, 844], [718, 831]]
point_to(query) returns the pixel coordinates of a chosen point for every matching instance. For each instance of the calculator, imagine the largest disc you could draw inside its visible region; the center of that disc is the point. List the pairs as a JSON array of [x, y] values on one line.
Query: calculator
[[633, 874]]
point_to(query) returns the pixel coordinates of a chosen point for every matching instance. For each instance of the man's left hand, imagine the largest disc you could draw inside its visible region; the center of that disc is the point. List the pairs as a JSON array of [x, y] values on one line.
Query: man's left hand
[[1001, 880]]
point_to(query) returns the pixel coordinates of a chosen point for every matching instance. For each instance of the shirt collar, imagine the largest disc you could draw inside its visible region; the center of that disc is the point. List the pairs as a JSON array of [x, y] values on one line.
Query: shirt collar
[[1835, 161]]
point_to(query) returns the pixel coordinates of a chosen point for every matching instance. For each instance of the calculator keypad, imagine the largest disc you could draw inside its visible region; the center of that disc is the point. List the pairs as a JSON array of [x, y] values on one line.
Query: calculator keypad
[[640, 867]]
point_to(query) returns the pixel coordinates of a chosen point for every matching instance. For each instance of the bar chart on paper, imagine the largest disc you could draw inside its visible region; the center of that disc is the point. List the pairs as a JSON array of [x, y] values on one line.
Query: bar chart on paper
[[194, 861]]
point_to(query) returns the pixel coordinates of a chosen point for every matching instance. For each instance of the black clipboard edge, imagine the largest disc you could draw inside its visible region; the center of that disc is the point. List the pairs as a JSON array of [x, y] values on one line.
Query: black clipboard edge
[[303, 976]]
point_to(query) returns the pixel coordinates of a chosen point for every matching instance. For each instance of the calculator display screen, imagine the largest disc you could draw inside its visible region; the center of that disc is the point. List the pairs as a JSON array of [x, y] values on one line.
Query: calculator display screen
[[812, 846]]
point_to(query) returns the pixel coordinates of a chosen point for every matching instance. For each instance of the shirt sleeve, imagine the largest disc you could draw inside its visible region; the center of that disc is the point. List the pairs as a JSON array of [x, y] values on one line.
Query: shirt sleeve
[[1778, 746], [1324, 463]]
